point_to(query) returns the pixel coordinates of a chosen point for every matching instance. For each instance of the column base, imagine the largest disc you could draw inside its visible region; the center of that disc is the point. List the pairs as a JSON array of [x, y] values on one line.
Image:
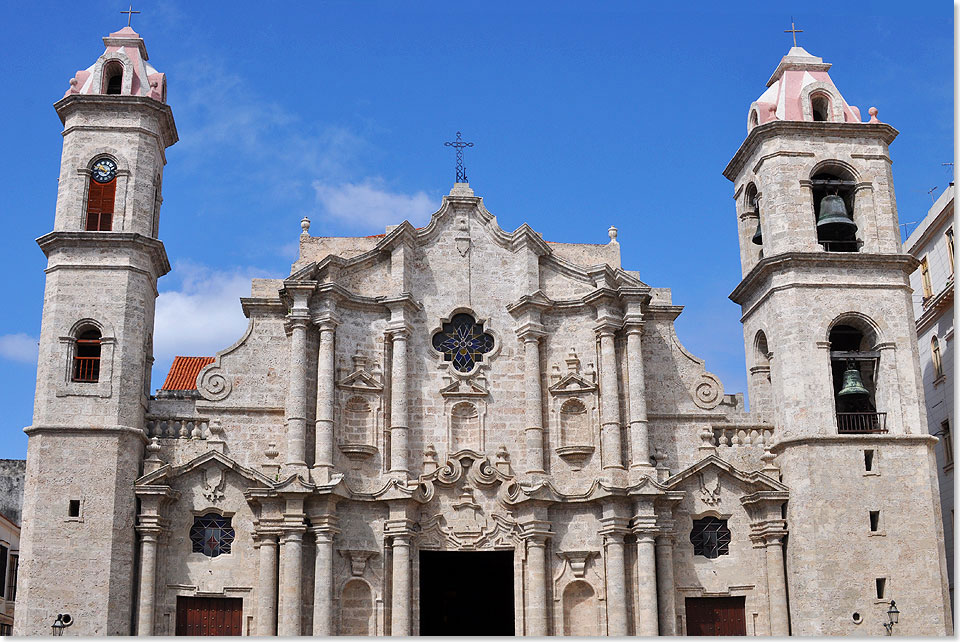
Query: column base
[[321, 475]]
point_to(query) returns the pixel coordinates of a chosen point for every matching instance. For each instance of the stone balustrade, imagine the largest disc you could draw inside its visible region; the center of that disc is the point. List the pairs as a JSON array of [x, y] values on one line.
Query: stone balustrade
[[740, 436], [178, 427]]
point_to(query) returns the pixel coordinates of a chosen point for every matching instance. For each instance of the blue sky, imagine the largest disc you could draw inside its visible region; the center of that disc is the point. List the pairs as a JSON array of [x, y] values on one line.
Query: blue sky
[[583, 115]]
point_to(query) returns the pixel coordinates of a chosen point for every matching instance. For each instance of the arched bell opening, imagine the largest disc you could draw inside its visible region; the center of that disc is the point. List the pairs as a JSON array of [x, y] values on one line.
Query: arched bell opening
[[820, 107], [854, 366], [833, 206]]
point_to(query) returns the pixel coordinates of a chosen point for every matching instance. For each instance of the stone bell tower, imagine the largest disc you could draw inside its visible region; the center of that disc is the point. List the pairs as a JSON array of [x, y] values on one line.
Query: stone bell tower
[[93, 376], [832, 356]]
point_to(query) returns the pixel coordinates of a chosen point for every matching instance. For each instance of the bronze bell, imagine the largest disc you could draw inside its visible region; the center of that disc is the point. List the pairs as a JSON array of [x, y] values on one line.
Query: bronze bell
[[757, 236], [834, 224], [852, 383]]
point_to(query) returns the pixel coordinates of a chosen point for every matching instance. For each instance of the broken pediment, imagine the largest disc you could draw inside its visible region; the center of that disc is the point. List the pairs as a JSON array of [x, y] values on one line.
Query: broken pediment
[[574, 381], [364, 377], [475, 387]]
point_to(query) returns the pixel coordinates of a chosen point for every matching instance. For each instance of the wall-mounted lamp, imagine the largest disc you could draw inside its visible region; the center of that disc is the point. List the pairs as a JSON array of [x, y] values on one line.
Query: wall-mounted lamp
[[63, 621], [893, 615]]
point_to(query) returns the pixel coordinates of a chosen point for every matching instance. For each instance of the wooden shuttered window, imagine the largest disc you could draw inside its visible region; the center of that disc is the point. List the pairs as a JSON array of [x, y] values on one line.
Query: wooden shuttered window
[[100, 203]]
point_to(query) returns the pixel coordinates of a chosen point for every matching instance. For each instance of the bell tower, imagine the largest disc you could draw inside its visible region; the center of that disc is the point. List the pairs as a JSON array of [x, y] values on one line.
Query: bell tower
[[93, 377], [832, 358]]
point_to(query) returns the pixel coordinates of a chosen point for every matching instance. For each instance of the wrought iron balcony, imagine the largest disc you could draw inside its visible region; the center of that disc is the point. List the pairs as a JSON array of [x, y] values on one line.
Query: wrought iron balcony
[[851, 423]]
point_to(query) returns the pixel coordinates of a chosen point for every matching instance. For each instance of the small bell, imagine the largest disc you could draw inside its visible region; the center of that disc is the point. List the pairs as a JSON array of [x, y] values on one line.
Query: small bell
[[852, 383], [834, 224], [757, 236]]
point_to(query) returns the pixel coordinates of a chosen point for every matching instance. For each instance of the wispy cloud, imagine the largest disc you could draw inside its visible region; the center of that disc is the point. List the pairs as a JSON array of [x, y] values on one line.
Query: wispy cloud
[[369, 206], [19, 347], [204, 314]]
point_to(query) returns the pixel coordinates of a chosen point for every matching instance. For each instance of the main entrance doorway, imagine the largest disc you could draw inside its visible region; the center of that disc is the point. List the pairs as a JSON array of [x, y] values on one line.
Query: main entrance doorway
[[456, 586], [209, 615], [716, 616]]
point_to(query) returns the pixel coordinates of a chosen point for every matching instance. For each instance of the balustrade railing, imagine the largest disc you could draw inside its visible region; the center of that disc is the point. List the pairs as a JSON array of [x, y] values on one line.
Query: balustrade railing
[[178, 427], [742, 436], [852, 423], [86, 369]]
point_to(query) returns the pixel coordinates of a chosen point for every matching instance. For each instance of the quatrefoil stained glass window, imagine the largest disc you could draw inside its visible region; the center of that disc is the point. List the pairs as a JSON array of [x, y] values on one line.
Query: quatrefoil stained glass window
[[463, 342], [710, 537], [212, 535]]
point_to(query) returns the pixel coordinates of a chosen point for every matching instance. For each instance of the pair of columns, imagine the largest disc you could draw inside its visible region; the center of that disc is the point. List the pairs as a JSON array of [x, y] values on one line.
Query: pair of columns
[[324, 454], [610, 438], [287, 551]]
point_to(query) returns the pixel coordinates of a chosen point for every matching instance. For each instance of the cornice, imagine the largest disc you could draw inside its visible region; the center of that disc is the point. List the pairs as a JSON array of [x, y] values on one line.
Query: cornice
[[765, 267], [760, 133], [936, 307], [168, 128], [153, 247]]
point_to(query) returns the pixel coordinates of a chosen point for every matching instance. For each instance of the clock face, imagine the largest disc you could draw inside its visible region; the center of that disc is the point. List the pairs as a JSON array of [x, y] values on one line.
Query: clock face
[[104, 170]]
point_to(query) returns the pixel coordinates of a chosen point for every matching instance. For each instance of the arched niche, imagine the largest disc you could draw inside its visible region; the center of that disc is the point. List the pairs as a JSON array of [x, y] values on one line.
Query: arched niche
[[356, 608], [580, 615]]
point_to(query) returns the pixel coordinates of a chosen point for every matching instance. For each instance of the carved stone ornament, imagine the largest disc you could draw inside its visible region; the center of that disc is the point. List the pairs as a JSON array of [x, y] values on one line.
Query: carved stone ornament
[[707, 391], [213, 481], [357, 560], [212, 384], [577, 561], [709, 496]]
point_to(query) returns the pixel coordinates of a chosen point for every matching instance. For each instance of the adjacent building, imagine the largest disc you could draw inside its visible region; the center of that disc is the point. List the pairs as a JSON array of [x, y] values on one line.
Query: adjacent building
[[460, 429], [932, 243]]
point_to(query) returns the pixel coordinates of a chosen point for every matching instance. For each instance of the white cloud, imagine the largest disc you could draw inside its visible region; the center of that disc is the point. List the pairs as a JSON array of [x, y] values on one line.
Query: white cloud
[[368, 205], [203, 315], [19, 347]]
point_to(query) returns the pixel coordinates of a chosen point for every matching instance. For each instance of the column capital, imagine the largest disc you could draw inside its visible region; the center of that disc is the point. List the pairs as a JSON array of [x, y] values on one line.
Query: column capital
[[400, 527], [633, 325], [607, 327], [530, 332], [536, 532], [325, 322], [296, 320], [399, 330], [614, 527], [292, 535], [261, 538], [150, 533]]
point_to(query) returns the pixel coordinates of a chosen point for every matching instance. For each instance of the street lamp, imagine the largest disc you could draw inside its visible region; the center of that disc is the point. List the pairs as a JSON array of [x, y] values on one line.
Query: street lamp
[[893, 614], [63, 621]]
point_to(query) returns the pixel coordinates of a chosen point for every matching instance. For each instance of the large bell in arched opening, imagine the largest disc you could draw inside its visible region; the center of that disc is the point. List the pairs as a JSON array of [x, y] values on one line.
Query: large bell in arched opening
[[757, 236], [834, 224], [852, 383]]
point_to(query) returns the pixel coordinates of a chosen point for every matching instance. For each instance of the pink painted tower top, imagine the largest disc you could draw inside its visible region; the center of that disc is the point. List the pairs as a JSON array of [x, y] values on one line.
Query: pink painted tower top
[[801, 89], [122, 70]]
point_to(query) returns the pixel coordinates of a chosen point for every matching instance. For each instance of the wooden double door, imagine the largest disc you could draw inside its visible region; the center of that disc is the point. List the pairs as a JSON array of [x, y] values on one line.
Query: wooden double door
[[716, 616], [209, 616]]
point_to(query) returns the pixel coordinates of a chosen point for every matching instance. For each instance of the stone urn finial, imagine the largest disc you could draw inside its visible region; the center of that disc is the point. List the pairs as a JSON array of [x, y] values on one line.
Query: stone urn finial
[[503, 460], [305, 226], [430, 459], [573, 362], [873, 111], [152, 462], [612, 233], [271, 468]]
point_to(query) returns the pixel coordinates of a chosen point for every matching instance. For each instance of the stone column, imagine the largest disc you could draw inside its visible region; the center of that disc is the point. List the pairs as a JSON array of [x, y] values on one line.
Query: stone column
[[267, 586], [616, 584], [148, 581], [777, 586], [639, 439], [402, 583], [398, 404], [533, 397], [647, 584], [537, 578], [326, 389], [297, 393], [291, 567], [610, 451], [666, 592], [323, 616]]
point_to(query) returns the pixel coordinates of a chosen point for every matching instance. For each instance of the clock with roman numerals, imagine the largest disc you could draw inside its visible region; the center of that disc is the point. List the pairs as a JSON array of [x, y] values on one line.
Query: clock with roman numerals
[[104, 170]]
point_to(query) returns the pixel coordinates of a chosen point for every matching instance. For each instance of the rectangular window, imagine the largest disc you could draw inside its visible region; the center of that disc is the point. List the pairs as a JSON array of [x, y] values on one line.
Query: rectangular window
[[947, 441], [874, 521], [100, 204], [949, 235], [868, 460], [925, 279], [74, 509], [881, 588], [12, 577]]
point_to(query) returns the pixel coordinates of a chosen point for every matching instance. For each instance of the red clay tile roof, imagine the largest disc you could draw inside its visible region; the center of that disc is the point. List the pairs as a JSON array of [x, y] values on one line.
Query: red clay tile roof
[[183, 373]]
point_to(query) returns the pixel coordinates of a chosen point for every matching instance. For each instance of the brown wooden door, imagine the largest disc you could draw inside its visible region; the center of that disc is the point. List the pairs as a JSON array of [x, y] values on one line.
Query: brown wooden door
[[209, 615], [716, 616]]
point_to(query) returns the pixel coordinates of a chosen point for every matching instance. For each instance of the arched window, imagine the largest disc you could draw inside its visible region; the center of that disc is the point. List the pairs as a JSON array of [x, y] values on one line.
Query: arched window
[[833, 206], [86, 356], [854, 367], [751, 208], [112, 77], [820, 106], [936, 357], [101, 195]]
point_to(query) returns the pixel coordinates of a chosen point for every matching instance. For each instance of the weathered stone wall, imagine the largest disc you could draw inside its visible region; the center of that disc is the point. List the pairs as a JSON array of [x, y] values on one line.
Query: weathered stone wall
[[12, 474]]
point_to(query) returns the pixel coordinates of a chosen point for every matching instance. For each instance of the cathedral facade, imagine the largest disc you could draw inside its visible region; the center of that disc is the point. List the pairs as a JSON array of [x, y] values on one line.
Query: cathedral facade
[[461, 429]]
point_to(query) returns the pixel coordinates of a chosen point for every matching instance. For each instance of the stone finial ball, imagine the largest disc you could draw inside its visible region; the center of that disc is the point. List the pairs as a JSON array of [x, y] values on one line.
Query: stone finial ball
[[873, 111], [73, 82]]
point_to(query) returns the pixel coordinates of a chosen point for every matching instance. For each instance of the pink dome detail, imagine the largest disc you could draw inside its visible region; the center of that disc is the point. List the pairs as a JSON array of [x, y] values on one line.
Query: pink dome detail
[[126, 49]]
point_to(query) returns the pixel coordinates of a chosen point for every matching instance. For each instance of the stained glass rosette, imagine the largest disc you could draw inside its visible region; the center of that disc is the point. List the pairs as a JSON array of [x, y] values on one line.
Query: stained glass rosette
[[463, 342]]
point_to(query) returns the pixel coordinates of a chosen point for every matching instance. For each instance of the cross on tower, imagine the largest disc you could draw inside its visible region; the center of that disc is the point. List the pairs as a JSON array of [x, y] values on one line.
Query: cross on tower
[[793, 30], [459, 145], [129, 13]]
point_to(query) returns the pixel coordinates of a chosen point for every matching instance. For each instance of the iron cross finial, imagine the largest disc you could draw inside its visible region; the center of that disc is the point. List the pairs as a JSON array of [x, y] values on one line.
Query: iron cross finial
[[129, 13], [459, 145], [793, 30]]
